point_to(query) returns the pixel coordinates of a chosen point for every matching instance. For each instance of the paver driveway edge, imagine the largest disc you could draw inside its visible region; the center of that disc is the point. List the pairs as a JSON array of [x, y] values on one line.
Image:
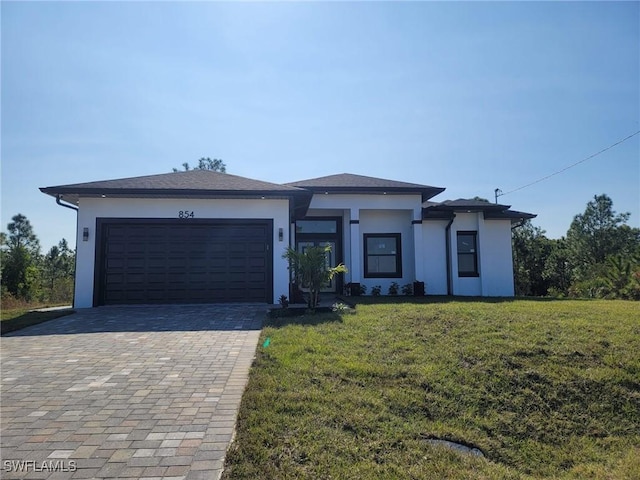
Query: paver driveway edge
[[145, 392]]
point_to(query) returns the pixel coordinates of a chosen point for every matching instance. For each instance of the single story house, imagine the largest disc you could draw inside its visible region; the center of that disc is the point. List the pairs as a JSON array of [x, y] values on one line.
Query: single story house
[[204, 236]]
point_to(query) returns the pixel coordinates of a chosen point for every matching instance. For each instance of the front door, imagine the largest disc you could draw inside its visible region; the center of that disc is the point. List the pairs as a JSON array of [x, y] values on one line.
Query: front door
[[330, 286], [320, 232]]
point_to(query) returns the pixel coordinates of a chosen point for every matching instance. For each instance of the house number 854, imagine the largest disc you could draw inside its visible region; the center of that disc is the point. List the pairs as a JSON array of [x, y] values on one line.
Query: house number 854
[[186, 214]]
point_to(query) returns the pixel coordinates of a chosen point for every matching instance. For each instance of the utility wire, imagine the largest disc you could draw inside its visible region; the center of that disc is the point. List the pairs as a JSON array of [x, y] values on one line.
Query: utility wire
[[500, 194]]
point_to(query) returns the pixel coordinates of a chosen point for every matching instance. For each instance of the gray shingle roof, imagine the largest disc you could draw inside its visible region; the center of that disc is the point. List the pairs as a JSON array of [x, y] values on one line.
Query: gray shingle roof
[[194, 180], [190, 184], [466, 203], [446, 210], [351, 183]]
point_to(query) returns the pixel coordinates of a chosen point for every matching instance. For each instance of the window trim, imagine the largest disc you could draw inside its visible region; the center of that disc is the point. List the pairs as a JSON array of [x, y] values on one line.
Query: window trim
[[475, 272], [397, 255]]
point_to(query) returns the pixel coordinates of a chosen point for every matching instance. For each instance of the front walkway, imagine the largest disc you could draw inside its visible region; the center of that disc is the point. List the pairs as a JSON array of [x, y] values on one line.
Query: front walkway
[[126, 392]]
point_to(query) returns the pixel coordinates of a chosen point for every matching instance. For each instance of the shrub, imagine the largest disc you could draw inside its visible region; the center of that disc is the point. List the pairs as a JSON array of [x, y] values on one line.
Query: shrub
[[407, 289], [393, 288], [284, 301]]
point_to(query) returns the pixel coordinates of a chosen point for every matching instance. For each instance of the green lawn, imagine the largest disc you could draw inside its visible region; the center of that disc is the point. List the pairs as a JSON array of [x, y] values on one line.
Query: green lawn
[[19, 318], [545, 389]]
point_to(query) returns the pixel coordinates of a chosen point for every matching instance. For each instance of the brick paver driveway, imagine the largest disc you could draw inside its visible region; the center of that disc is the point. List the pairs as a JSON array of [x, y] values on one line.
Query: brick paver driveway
[[138, 392]]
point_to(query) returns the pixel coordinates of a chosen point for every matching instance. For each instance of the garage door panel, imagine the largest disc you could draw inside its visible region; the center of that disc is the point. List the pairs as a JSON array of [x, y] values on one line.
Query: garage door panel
[[156, 278], [134, 262], [168, 262], [136, 278], [256, 247]]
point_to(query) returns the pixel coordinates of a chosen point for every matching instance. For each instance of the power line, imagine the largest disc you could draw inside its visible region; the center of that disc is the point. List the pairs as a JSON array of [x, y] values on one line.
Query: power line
[[499, 193]]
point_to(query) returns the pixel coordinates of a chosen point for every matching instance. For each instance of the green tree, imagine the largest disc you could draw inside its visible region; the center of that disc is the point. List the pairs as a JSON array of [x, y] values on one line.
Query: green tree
[[531, 249], [20, 274], [598, 233], [215, 165], [622, 276], [21, 234], [603, 252], [310, 269], [557, 269], [58, 266]]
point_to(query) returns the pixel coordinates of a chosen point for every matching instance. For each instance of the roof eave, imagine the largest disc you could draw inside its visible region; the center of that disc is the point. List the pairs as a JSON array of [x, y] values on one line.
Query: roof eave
[[299, 197], [425, 193], [513, 215]]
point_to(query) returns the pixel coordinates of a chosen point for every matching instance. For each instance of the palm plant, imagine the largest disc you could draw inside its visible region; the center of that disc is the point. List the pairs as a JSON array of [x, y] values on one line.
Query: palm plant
[[309, 269]]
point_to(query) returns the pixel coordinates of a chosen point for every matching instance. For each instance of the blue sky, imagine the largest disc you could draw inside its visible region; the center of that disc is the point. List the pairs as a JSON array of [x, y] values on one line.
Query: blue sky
[[468, 96]]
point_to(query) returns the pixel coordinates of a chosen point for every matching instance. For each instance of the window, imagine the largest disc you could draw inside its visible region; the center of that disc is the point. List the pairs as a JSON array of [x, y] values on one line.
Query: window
[[316, 226], [382, 258], [467, 254]]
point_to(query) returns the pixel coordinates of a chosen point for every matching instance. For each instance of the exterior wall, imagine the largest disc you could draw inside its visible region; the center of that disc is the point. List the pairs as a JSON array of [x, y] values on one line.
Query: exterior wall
[[496, 259], [366, 202], [495, 264], [466, 286], [389, 221], [435, 256], [404, 207], [93, 208], [394, 214], [370, 213]]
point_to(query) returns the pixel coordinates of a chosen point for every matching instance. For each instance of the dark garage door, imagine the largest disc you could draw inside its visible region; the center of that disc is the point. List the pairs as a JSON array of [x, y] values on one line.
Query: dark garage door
[[148, 261]]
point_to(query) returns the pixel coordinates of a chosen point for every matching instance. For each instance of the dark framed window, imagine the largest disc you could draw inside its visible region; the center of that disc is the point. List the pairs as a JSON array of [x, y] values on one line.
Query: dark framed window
[[312, 225], [468, 254], [382, 255]]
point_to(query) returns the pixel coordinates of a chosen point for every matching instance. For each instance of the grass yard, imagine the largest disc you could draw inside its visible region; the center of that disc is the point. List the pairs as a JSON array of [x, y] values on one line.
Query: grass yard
[[545, 389], [16, 319]]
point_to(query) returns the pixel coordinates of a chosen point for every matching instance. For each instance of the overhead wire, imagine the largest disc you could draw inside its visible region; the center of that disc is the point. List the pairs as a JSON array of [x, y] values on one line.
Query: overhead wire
[[569, 166]]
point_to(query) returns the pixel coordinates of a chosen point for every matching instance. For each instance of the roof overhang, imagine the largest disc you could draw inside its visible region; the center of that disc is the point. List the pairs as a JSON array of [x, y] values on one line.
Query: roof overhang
[[513, 215], [490, 211], [299, 200], [425, 193]]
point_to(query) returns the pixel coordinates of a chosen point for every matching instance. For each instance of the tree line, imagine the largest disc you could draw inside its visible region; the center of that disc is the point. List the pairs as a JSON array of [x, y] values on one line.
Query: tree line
[[598, 258], [29, 276]]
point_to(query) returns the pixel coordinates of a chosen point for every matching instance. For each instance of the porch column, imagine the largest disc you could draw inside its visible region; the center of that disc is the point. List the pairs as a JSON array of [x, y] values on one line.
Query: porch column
[[356, 260]]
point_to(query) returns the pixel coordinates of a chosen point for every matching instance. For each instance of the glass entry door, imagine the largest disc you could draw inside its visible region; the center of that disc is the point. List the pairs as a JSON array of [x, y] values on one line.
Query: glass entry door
[[330, 260], [322, 232]]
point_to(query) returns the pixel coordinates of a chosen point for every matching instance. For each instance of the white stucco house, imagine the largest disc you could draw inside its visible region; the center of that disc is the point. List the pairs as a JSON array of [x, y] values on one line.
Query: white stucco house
[[203, 236]]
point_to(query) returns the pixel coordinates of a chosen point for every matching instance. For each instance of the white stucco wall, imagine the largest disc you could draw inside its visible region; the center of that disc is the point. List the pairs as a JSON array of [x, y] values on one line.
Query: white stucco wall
[[466, 286], [378, 211], [435, 256], [389, 221], [496, 259], [92, 208], [366, 202], [495, 264]]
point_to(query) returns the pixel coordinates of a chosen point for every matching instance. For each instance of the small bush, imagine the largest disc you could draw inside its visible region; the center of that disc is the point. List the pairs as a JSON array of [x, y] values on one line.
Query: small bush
[[407, 289], [284, 301], [393, 288], [375, 291]]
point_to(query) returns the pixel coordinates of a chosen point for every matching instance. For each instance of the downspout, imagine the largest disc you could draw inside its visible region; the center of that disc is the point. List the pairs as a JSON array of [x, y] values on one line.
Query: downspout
[[59, 202], [447, 238], [75, 262], [519, 224]]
